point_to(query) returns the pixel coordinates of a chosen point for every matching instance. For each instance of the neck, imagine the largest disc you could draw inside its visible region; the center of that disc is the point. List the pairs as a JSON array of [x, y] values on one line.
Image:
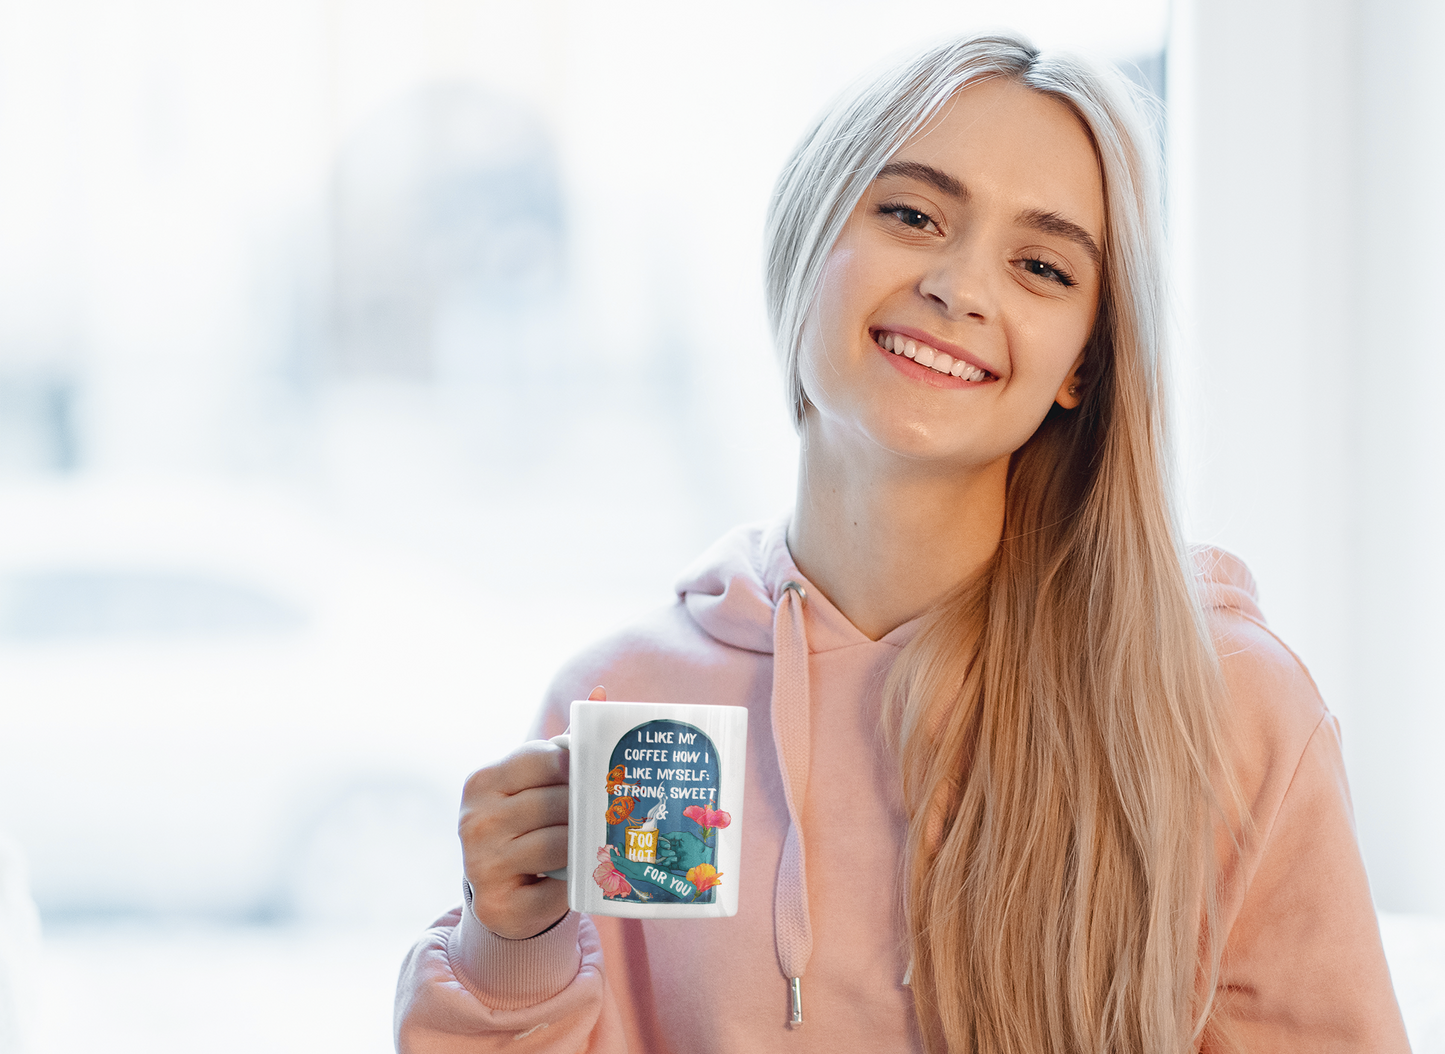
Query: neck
[[885, 538]]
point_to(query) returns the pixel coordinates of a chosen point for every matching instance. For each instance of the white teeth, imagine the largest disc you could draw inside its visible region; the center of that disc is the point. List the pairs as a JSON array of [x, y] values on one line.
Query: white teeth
[[922, 354]]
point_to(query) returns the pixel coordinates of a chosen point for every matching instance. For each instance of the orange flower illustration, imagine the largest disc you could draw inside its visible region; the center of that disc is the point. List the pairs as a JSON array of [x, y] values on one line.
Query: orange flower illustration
[[617, 779], [704, 877], [619, 810]]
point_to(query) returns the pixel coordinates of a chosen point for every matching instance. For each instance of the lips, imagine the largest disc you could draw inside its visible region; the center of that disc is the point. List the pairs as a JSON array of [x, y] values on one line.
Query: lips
[[927, 355]]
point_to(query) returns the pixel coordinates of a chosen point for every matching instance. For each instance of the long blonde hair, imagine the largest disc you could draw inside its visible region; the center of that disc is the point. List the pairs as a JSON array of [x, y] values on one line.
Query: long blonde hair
[[1057, 718]]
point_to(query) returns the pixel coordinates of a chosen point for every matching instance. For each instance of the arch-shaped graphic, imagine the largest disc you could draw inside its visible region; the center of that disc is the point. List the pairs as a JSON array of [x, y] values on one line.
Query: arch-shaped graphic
[[664, 813]]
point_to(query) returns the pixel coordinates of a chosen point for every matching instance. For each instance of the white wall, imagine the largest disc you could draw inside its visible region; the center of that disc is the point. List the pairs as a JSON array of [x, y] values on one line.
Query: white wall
[[1306, 149]]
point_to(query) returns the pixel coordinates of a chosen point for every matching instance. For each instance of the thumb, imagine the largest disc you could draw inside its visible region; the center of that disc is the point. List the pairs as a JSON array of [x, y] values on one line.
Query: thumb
[[598, 695]]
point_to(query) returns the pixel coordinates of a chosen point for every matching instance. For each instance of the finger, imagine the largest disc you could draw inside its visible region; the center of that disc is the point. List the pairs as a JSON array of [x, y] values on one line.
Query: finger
[[598, 695], [564, 743], [533, 764], [518, 861], [489, 824], [532, 810], [541, 850]]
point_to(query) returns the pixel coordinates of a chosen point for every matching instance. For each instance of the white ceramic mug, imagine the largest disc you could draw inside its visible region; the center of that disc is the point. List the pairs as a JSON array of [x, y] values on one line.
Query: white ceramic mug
[[655, 809]]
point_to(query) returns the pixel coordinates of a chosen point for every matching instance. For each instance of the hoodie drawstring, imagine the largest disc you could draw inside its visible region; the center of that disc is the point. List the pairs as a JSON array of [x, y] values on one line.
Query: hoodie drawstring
[[793, 928]]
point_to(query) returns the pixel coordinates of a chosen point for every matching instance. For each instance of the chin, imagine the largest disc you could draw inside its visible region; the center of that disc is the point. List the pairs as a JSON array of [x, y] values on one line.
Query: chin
[[920, 445]]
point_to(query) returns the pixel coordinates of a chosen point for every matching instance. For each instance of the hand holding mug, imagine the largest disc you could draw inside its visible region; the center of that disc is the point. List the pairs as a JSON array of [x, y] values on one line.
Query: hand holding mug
[[513, 828]]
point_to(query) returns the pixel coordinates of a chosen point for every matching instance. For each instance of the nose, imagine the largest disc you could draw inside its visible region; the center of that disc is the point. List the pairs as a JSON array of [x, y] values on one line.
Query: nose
[[960, 282]]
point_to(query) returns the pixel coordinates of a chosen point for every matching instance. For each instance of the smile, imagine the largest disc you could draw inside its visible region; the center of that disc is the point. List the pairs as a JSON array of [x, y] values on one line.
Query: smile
[[939, 361]]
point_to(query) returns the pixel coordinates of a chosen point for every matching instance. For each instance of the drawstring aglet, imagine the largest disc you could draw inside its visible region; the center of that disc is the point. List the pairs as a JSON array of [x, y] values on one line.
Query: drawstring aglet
[[795, 986]]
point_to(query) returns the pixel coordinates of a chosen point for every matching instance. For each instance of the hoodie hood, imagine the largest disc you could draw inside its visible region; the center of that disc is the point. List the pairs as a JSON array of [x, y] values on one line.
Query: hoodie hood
[[733, 589], [1225, 584]]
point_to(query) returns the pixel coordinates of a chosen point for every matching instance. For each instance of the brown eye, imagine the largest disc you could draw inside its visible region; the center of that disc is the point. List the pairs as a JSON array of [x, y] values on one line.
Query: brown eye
[[909, 217], [1047, 271]]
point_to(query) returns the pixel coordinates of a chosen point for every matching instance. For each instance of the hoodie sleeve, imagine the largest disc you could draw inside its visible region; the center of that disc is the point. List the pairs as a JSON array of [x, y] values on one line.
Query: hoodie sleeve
[[1303, 967], [464, 990]]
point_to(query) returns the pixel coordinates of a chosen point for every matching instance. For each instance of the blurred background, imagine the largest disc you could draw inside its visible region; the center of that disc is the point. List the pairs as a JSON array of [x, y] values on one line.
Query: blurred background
[[361, 360]]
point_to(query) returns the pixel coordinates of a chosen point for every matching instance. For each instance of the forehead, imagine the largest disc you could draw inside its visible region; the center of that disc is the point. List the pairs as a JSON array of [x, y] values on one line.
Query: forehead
[[1015, 147]]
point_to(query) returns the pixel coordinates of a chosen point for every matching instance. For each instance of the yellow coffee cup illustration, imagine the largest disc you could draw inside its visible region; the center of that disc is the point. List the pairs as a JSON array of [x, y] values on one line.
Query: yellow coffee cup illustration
[[642, 845]]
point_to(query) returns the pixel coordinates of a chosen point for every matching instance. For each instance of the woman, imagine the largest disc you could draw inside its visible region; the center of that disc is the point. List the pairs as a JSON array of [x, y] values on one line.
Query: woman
[[1109, 812]]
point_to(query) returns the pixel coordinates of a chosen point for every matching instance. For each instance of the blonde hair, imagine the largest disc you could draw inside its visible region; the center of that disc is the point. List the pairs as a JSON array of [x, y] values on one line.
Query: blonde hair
[[1057, 718]]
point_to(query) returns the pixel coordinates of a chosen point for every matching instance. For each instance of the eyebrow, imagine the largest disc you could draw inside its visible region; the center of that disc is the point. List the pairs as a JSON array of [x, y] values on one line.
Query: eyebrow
[[1053, 223], [934, 177]]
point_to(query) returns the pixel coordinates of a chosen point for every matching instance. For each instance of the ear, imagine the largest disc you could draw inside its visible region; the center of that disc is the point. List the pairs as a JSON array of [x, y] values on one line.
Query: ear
[[1071, 392]]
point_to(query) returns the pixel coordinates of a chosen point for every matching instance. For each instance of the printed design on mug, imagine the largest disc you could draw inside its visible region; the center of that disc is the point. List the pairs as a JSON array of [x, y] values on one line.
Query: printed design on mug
[[663, 816]]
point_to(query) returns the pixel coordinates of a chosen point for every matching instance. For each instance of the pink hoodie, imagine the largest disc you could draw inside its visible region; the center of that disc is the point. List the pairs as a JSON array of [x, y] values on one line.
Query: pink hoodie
[[1304, 969]]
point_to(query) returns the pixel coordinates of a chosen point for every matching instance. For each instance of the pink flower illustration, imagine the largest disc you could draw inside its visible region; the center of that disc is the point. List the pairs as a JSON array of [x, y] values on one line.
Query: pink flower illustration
[[707, 818], [612, 881]]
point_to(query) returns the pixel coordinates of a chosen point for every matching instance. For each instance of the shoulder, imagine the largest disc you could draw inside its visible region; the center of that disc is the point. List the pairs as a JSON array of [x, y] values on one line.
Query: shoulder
[[662, 640], [1274, 707], [663, 656], [705, 647]]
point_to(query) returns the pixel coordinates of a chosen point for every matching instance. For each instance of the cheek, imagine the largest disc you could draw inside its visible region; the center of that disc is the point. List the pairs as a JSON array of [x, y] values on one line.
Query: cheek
[[829, 321], [837, 290], [817, 374], [1059, 339]]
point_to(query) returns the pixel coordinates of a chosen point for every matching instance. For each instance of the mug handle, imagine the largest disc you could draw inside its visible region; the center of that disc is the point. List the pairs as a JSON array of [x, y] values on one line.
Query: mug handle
[[565, 742]]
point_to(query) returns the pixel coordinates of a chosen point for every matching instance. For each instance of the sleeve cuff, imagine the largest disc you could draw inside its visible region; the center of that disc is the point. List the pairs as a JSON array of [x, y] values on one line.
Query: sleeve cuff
[[510, 975]]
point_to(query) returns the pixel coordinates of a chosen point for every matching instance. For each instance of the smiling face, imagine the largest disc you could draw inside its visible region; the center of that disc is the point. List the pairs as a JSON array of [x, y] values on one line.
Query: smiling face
[[956, 303]]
